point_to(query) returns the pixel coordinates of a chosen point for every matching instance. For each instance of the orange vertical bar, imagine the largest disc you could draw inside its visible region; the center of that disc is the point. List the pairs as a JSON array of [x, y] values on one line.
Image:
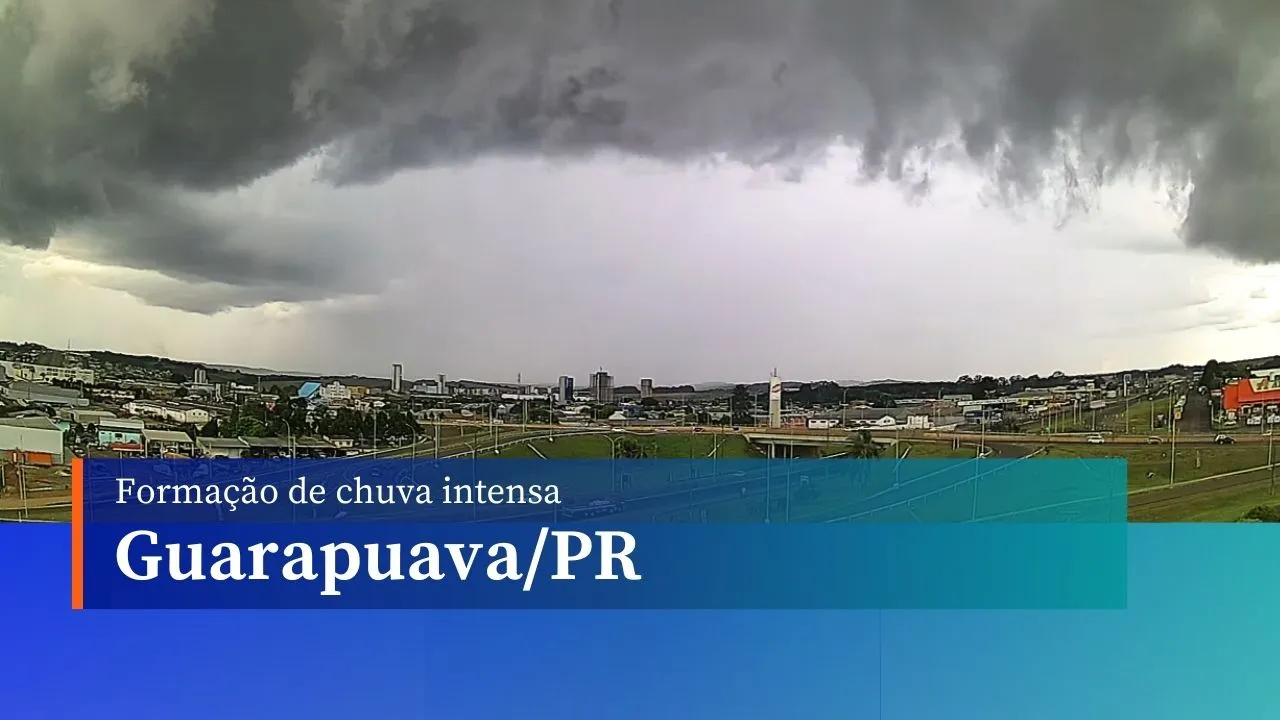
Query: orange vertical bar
[[77, 534]]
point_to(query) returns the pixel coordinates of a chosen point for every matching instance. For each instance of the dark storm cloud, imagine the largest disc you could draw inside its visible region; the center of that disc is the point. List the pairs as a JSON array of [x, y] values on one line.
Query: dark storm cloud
[[1052, 99]]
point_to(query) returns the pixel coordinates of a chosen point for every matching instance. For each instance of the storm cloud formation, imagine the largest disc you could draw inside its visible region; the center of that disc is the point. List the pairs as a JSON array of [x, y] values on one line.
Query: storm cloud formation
[[117, 115]]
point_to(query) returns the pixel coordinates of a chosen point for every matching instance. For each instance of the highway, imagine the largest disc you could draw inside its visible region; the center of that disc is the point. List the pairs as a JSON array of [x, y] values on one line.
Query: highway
[[1192, 432], [702, 493]]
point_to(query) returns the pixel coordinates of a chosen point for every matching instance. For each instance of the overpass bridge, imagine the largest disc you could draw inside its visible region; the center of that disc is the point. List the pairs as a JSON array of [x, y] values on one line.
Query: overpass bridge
[[786, 444]]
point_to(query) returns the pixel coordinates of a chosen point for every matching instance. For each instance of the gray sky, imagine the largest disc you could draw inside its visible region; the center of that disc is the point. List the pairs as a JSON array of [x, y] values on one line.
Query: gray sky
[[839, 189]]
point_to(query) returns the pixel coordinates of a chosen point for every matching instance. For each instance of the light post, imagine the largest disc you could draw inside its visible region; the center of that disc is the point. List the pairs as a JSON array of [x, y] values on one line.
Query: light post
[[1173, 445], [897, 474], [613, 463], [474, 506], [768, 478], [982, 436], [1271, 438], [291, 448], [493, 425]]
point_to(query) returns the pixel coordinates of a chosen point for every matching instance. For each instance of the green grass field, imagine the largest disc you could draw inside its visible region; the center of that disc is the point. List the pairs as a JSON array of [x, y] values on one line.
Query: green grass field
[[1149, 465], [1226, 505], [698, 446], [1134, 420], [921, 450], [47, 514]]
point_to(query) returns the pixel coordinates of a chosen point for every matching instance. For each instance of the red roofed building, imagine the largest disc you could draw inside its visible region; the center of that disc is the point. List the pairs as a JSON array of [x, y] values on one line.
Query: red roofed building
[[1250, 399]]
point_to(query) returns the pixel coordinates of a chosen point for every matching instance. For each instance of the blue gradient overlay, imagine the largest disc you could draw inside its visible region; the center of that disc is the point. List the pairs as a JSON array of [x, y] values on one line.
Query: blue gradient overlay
[[1196, 641], [921, 534]]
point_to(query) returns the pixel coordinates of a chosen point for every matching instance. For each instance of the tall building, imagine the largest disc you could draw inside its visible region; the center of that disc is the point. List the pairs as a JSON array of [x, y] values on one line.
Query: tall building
[[565, 389], [442, 387], [602, 386], [397, 377], [775, 400], [646, 388], [200, 376]]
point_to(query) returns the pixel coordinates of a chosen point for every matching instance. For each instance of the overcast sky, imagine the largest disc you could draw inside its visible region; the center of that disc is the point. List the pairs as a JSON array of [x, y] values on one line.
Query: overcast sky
[[542, 188]]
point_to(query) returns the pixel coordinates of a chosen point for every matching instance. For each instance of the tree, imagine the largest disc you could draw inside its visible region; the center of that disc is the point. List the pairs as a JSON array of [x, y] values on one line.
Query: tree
[[1263, 513], [863, 446], [740, 399], [1211, 377], [631, 449]]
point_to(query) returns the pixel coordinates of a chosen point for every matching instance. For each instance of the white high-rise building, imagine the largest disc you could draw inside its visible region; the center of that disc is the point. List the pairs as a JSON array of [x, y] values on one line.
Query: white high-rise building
[[397, 377], [775, 400]]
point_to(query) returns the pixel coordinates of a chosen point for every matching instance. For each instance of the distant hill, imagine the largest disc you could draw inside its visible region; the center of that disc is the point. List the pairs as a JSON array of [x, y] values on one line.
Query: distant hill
[[243, 369], [221, 372]]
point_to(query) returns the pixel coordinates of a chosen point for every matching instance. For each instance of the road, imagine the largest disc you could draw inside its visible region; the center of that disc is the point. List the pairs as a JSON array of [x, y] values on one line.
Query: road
[[1197, 418]]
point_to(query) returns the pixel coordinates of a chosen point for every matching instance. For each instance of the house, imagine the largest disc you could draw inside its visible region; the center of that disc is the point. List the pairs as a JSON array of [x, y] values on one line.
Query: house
[[233, 448], [177, 413], [33, 441], [313, 447], [121, 434], [85, 417], [167, 442], [267, 447], [335, 393], [888, 418], [32, 393]]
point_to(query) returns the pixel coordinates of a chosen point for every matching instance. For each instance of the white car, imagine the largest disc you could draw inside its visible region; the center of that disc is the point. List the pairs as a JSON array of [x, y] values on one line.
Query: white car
[[1095, 439]]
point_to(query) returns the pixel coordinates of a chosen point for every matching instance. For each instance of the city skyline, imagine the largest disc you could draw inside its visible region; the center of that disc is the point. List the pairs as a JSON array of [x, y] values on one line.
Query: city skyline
[[583, 382]]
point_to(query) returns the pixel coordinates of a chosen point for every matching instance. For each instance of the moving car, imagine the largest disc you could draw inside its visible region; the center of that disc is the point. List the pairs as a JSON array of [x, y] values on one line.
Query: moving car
[[592, 508], [1153, 440], [1095, 439], [1224, 440]]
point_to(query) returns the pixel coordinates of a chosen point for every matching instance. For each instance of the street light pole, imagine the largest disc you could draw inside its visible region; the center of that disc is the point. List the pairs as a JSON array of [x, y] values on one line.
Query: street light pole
[[768, 478], [1271, 438], [613, 463], [1173, 446], [475, 507]]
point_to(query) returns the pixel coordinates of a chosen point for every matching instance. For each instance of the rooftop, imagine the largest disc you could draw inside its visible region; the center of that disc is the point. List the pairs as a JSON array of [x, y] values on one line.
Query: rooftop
[[166, 436], [221, 442], [32, 423], [22, 387]]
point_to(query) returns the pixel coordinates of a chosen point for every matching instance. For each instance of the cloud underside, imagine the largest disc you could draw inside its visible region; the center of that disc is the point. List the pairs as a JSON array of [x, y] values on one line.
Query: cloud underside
[[119, 118]]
